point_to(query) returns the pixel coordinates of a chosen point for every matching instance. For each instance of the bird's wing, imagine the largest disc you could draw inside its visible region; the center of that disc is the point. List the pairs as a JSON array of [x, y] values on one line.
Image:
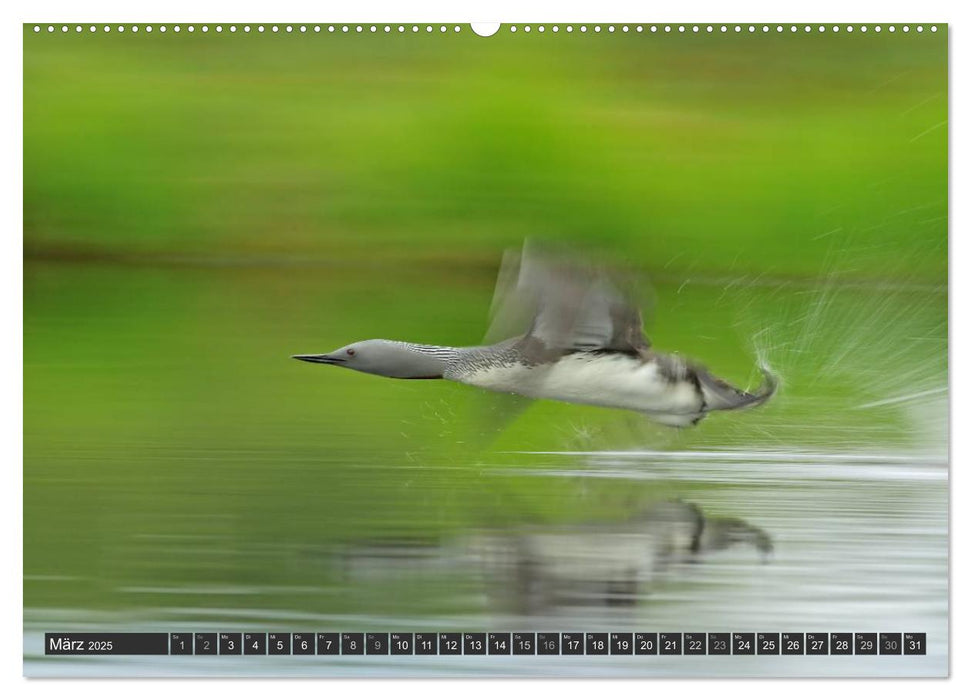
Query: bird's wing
[[515, 300], [603, 318], [565, 305]]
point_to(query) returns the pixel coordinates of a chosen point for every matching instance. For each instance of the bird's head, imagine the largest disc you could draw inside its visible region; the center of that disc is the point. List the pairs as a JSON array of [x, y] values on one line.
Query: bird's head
[[387, 358]]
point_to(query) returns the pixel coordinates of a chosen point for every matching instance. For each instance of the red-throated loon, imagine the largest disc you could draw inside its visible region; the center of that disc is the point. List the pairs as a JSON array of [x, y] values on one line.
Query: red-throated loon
[[585, 344]]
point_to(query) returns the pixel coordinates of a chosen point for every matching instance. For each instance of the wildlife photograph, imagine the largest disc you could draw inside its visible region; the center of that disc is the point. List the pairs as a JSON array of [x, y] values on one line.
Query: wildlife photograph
[[519, 350]]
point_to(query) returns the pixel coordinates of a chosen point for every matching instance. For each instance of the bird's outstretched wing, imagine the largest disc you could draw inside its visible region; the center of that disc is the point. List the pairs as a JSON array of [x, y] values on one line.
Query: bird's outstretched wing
[[566, 305]]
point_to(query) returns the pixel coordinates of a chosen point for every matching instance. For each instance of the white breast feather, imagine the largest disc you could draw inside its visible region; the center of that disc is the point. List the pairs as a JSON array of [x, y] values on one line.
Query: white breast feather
[[613, 381]]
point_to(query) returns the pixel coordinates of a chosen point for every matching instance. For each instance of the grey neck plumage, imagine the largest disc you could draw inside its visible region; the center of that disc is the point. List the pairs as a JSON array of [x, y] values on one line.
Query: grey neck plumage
[[427, 361]]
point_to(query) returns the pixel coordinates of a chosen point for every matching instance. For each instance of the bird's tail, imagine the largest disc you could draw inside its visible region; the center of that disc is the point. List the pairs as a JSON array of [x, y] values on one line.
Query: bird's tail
[[722, 396]]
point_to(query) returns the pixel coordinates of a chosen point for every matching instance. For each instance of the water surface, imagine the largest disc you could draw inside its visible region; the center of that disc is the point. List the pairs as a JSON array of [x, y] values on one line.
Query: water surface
[[182, 474]]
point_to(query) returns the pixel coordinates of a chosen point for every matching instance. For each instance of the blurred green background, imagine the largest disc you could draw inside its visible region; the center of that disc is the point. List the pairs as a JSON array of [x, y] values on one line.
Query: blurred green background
[[685, 152], [199, 207]]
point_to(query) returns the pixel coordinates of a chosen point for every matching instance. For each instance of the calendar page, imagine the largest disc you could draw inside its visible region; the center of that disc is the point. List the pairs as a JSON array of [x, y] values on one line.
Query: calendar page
[[613, 349]]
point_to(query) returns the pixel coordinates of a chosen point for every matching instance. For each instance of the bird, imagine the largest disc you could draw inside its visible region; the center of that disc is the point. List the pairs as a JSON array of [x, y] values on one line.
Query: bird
[[565, 330]]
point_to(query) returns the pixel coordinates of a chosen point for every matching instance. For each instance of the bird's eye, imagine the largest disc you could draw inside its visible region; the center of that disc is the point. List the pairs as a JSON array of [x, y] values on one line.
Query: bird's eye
[[350, 351]]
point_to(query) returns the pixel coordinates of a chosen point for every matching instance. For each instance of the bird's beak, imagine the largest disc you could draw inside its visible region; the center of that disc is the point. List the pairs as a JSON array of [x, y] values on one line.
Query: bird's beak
[[320, 359]]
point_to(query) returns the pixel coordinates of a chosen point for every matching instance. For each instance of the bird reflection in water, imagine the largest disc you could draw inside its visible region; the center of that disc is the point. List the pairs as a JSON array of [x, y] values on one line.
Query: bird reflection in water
[[533, 569]]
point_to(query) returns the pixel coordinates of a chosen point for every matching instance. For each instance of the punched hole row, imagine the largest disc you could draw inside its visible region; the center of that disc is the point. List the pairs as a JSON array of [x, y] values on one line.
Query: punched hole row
[[428, 28], [246, 28], [722, 28]]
